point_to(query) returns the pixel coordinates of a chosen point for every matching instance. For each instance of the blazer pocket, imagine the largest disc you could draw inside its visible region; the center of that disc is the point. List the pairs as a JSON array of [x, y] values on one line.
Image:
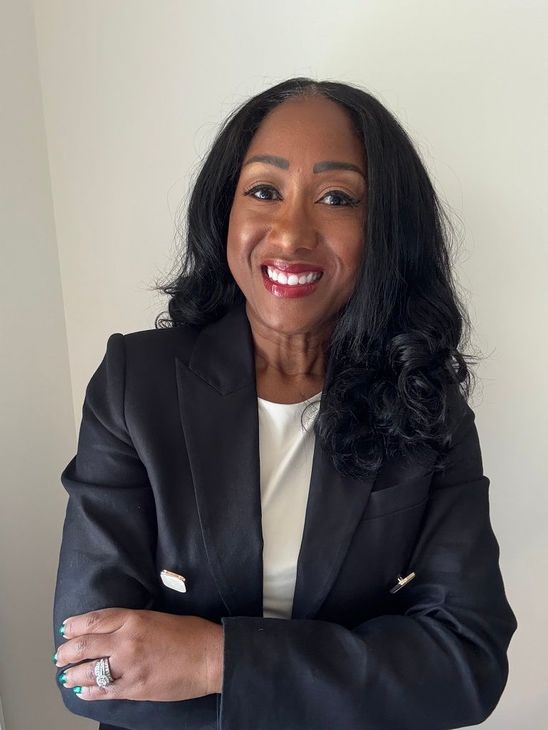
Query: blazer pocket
[[405, 495]]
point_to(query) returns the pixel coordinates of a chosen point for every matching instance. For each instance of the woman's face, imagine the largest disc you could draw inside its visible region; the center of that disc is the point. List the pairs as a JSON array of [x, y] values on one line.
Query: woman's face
[[293, 208]]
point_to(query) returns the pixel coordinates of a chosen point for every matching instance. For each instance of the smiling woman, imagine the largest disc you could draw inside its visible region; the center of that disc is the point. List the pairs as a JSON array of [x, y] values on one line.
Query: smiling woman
[[311, 225], [340, 574]]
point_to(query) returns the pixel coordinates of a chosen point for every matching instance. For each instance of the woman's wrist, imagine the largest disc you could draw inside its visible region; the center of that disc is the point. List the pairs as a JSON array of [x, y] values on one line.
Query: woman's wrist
[[215, 659]]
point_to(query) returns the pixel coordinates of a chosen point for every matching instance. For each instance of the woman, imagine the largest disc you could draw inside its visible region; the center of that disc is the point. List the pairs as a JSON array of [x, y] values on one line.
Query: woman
[[222, 566]]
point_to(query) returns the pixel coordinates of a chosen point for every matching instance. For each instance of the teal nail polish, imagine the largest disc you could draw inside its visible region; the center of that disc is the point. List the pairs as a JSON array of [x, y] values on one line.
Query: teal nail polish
[[62, 678], [54, 658], [77, 690], [62, 629]]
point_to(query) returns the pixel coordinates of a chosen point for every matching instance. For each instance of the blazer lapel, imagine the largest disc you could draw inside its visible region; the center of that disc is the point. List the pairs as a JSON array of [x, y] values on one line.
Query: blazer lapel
[[335, 506], [218, 407]]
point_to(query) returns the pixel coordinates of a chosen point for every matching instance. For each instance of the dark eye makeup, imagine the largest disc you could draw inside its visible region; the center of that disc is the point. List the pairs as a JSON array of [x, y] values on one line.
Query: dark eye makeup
[[349, 201]]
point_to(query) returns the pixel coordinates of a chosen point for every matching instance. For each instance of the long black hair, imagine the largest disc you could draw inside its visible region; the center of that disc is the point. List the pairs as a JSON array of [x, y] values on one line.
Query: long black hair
[[394, 355]]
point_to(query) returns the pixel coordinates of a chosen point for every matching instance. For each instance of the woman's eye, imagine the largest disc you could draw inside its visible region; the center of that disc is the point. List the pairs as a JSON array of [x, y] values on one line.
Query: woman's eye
[[258, 188], [342, 196], [347, 200]]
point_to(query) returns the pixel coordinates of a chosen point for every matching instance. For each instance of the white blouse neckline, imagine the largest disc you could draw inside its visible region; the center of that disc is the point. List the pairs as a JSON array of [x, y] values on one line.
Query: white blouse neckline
[[289, 405]]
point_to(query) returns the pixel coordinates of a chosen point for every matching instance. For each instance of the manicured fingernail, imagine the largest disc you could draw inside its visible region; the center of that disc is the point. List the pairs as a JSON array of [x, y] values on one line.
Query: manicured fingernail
[[54, 658], [77, 690], [62, 629], [62, 678]]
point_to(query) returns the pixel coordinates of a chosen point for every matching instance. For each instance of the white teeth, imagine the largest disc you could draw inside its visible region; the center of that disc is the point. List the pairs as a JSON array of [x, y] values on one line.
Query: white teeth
[[292, 279]]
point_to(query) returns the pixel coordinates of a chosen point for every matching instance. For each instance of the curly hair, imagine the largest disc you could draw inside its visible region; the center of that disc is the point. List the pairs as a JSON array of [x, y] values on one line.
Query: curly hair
[[393, 359]]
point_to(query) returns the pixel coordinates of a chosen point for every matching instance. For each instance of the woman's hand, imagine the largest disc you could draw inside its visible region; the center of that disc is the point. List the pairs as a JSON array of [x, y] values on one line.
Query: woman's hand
[[153, 656]]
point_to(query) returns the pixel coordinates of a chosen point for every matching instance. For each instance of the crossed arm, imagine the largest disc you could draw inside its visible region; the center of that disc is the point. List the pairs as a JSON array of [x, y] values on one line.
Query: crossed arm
[[439, 663]]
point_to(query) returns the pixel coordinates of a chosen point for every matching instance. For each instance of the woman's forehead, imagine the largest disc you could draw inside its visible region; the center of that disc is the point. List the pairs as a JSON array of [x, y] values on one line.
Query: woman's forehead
[[307, 127]]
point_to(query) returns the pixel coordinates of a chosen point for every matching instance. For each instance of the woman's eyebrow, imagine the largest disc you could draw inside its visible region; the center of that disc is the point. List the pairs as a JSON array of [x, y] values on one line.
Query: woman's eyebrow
[[318, 167]]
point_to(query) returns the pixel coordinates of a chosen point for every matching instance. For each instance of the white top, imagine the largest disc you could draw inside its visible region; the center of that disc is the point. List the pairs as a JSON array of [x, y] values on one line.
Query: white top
[[286, 451]]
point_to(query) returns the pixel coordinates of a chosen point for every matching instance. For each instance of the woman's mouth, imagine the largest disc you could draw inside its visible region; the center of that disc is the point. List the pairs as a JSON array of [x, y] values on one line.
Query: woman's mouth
[[291, 285]]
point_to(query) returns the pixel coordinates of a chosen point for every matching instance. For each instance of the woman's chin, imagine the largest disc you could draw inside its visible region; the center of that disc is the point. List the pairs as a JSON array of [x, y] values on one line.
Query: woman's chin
[[287, 323]]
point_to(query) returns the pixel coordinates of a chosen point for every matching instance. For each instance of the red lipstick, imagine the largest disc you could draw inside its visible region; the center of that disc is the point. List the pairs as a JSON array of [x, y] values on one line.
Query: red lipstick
[[290, 291]]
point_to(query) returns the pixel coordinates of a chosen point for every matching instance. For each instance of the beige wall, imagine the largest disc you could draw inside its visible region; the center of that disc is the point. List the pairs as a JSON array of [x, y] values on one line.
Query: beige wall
[[37, 430], [106, 120]]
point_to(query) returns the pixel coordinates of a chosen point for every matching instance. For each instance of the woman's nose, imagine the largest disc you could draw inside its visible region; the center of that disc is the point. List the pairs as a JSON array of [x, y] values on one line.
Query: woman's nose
[[294, 228]]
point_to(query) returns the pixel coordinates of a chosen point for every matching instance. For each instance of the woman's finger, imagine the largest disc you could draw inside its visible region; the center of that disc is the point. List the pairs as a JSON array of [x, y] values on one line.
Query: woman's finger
[[84, 674], [84, 647], [101, 621], [114, 691]]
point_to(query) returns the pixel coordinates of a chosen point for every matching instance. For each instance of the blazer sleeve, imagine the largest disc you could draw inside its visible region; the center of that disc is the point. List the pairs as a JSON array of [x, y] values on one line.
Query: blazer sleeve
[[109, 537], [439, 662]]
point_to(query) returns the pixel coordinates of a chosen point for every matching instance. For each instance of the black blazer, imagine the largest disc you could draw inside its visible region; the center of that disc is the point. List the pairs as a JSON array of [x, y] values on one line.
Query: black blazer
[[166, 475]]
